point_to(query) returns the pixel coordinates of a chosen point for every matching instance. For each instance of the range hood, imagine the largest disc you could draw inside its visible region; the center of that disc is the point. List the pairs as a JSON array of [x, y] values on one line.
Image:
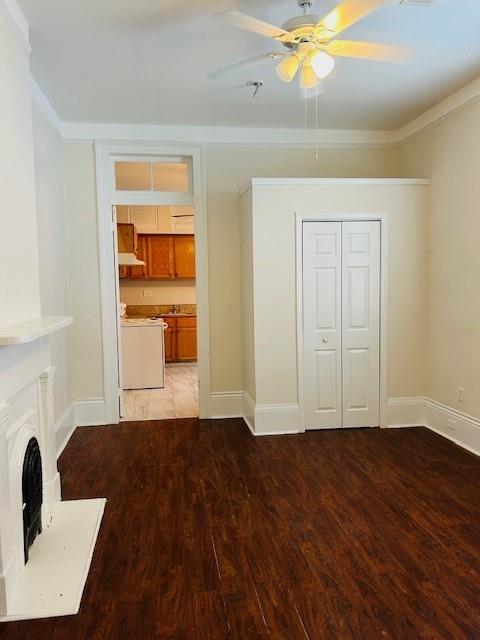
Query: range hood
[[129, 260]]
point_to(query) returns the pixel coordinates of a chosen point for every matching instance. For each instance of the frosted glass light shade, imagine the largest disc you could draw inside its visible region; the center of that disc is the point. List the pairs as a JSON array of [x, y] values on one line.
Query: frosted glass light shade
[[288, 67], [322, 64], [308, 78]]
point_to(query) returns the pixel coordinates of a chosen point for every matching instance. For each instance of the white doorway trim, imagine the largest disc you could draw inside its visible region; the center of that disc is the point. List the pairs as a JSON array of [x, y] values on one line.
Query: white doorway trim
[[104, 153], [300, 218]]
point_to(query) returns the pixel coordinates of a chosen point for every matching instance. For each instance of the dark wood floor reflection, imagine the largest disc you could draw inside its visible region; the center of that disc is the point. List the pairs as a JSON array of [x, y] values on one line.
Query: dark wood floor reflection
[[212, 534]]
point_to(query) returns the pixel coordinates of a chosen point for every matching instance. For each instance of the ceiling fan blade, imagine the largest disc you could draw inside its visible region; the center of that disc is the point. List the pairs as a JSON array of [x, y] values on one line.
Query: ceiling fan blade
[[368, 51], [346, 14], [248, 23], [224, 71]]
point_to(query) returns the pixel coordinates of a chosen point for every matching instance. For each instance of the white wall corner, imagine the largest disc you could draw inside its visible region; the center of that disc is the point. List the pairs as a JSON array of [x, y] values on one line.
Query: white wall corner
[[90, 412], [64, 429], [406, 412], [460, 428], [17, 22], [249, 411], [225, 404], [44, 105]]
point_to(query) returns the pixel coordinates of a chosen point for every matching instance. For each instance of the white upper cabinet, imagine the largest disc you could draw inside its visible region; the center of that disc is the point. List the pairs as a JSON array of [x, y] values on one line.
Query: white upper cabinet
[[158, 218]]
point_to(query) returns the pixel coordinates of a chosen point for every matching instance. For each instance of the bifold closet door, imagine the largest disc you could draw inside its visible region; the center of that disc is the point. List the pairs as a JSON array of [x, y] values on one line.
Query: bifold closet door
[[322, 324], [361, 324], [341, 323]]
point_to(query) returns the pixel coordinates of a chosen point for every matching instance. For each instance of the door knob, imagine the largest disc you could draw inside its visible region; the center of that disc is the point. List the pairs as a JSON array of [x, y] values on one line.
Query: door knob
[[325, 340]]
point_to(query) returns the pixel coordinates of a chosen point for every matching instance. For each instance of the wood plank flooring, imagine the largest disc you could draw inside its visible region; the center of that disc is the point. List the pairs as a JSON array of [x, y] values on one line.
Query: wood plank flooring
[[211, 534]]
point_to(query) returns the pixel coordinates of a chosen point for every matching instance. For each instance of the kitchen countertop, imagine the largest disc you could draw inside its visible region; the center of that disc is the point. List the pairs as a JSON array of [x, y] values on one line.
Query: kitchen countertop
[[164, 315], [179, 315]]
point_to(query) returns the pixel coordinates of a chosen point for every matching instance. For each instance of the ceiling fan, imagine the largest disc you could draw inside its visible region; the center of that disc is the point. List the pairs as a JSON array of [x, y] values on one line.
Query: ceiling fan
[[311, 43]]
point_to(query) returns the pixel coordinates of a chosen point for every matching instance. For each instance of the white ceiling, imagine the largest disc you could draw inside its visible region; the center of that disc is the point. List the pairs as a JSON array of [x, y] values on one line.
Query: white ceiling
[[147, 61]]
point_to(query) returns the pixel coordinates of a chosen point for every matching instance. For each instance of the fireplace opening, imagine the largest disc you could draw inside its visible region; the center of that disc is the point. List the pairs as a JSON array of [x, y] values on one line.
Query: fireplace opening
[[32, 495]]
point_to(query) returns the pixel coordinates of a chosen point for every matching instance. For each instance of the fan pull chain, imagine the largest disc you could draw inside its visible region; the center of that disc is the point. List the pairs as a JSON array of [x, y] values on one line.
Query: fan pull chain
[[316, 125], [306, 118]]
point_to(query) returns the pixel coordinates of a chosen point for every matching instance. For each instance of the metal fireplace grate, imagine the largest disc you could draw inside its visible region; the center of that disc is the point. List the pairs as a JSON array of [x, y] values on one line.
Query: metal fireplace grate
[[32, 494]]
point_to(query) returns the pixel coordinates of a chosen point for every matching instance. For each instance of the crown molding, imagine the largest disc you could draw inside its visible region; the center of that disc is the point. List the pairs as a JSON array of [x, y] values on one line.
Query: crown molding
[[17, 21], [456, 101], [244, 136], [396, 182], [224, 135], [399, 182]]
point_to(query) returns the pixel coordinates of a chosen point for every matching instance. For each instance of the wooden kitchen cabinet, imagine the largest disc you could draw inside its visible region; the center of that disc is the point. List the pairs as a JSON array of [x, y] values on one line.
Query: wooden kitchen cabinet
[[126, 238], [181, 339], [160, 257], [124, 272], [166, 257], [184, 256], [140, 272], [186, 339], [170, 340]]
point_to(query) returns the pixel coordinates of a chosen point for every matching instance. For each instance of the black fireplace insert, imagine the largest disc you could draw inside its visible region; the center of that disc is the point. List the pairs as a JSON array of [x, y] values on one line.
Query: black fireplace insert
[[32, 492]]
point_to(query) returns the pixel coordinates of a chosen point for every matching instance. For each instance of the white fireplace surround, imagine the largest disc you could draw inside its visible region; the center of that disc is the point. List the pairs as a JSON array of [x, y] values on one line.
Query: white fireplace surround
[[27, 415], [27, 411]]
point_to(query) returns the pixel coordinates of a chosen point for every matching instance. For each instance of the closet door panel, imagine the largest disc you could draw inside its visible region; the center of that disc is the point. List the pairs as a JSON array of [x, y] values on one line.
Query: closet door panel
[[322, 272], [361, 323]]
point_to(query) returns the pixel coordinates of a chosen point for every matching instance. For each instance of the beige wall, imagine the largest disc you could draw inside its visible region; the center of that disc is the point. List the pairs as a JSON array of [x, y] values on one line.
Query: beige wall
[[228, 170], [83, 278], [53, 250], [274, 273], [449, 153], [19, 282], [178, 292]]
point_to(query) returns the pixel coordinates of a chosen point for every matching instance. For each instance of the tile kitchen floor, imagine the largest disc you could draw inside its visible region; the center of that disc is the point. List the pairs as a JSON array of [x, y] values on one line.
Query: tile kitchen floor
[[179, 398]]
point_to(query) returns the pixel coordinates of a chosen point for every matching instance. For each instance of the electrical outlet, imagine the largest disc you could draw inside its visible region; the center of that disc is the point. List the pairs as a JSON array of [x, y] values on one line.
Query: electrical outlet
[[147, 293], [460, 393], [451, 424]]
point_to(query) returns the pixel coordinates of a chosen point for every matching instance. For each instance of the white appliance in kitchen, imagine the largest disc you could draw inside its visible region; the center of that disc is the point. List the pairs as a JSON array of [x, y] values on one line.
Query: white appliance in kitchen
[[143, 353]]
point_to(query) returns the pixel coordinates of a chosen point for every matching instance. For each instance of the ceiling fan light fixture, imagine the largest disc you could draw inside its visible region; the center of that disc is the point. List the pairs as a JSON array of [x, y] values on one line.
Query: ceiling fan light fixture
[[288, 68], [322, 64], [308, 77]]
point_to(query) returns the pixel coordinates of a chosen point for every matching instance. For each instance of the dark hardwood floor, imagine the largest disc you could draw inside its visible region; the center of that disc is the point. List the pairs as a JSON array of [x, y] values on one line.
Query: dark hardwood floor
[[212, 534]]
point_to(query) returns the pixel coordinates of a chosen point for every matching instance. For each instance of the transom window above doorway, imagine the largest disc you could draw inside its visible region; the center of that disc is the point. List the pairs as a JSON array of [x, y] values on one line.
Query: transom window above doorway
[[169, 174]]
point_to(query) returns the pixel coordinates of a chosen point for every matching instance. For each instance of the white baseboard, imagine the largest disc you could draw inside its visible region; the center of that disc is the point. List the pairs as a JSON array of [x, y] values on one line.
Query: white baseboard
[[283, 419], [458, 427], [262, 420], [226, 404], [405, 412], [277, 419], [64, 429], [90, 412]]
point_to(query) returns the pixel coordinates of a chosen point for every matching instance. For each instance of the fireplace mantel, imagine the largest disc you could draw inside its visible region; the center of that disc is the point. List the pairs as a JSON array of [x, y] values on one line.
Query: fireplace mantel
[[32, 330]]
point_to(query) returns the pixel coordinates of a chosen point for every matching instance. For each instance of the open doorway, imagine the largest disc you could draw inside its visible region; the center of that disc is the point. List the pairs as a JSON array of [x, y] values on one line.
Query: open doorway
[[156, 288]]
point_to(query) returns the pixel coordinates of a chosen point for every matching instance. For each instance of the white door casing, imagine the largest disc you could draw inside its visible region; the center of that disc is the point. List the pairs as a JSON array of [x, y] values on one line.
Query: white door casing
[[106, 154], [117, 316], [341, 324]]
